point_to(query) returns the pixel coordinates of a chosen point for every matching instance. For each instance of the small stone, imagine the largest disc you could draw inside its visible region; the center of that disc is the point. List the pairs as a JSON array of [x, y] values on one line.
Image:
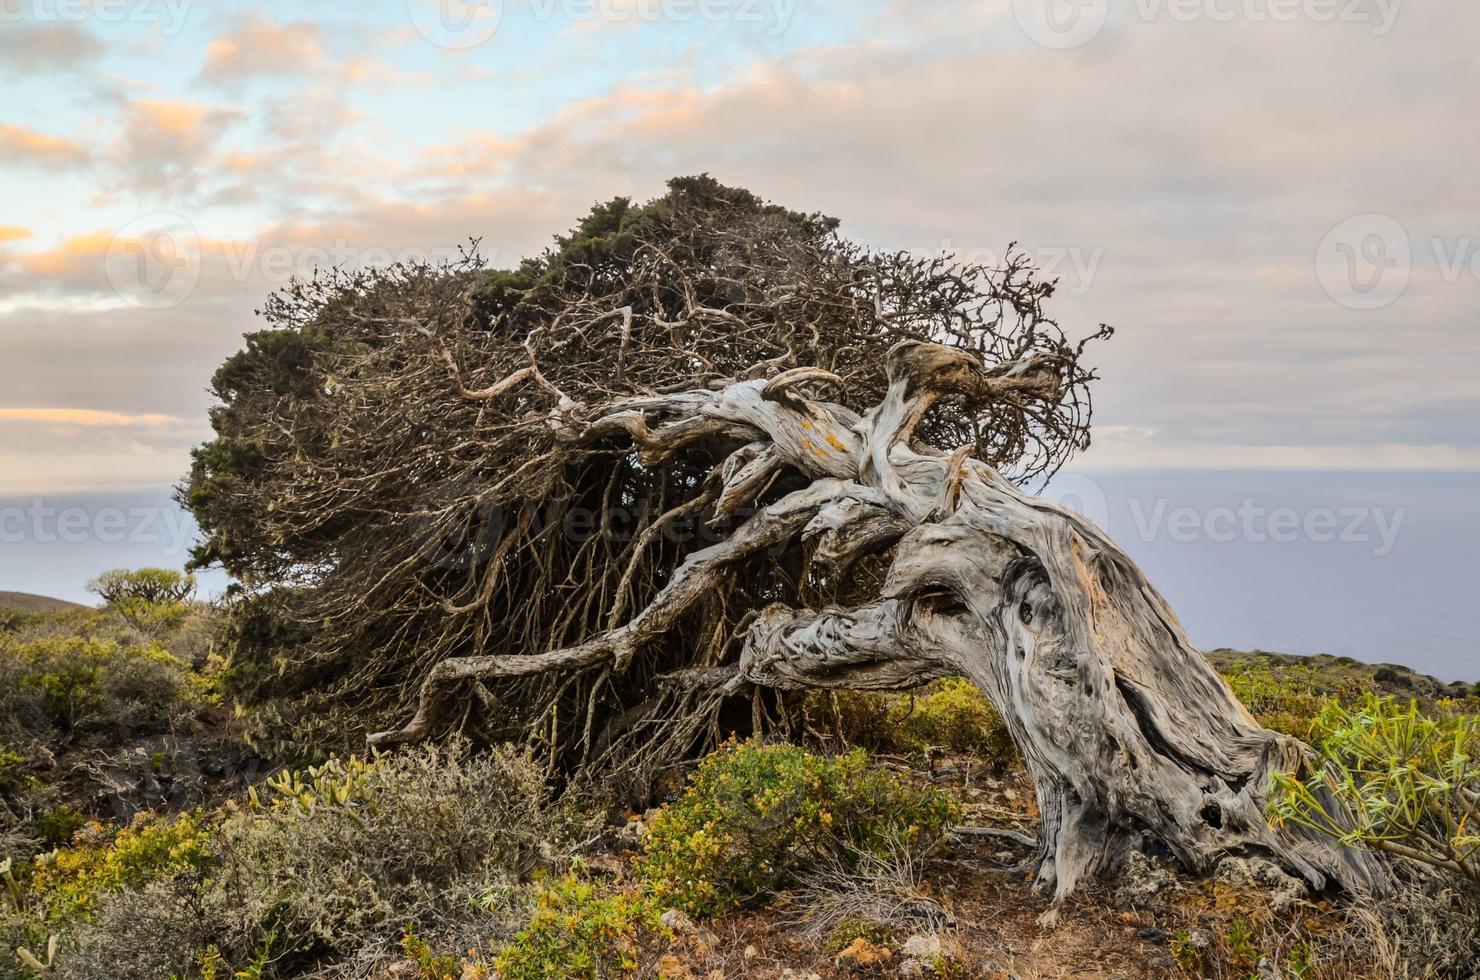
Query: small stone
[[1141, 880], [1284, 890], [750, 952], [1153, 935], [677, 920], [922, 947]]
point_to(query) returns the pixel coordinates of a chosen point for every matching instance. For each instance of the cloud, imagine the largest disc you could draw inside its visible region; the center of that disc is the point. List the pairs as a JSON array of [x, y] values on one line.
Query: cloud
[[1200, 163], [22, 147], [166, 145], [30, 49], [83, 417], [12, 233], [258, 48]]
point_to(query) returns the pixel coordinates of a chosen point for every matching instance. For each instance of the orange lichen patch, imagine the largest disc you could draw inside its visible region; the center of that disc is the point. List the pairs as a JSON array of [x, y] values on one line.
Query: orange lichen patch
[[861, 952], [837, 443]]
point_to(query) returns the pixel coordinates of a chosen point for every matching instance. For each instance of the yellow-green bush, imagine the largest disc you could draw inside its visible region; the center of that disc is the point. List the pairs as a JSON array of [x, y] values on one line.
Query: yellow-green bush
[[1395, 780], [581, 929], [70, 882], [318, 864], [952, 714], [1286, 700], [56, 685], [755, 815]]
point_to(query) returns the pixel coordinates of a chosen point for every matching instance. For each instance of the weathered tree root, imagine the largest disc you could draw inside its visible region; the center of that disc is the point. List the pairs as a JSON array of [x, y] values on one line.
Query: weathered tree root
[[1129, 736]]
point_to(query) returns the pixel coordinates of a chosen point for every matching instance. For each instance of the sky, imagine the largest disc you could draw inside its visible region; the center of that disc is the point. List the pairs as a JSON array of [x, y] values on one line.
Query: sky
[[1273, 201]]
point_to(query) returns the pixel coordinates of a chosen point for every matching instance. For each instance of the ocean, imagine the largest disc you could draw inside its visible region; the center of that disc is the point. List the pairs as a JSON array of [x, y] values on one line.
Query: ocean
[[1377, 565]]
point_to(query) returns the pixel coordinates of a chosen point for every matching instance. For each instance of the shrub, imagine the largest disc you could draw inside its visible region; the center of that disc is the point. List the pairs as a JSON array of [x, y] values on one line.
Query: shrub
[[872, 896], [52, 686], [1394, 780], [1283, 697], [580, 929], [56, 827], [70, 883], [155, 601], [315, 865], [953, 715], [753, 816], [330, 858]]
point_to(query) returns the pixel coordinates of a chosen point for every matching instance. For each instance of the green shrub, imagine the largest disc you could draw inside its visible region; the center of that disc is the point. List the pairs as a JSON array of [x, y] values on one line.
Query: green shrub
[[329, 858], [753, 816], [318, 864], [56, 685], [1284, 698], [57, 826], [155, 601], [70, 883], [1409, 781], [581, 929], [953, 715]]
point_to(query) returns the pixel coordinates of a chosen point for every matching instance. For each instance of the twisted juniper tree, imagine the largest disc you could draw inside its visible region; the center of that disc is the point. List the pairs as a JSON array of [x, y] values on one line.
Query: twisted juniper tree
[[701, 455]]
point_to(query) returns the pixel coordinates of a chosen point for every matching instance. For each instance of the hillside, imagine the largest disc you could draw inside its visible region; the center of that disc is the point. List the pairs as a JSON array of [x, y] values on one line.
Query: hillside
[[895, 837], [27, 603], [1331, 675]]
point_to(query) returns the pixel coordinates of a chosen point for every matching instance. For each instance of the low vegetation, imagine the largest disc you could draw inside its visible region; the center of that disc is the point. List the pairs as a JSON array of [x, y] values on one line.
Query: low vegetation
[[754, 817], [455, 864], [1406, 782]]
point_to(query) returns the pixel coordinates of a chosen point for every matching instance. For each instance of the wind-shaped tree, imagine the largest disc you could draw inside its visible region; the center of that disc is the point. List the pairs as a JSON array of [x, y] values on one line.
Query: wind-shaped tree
[[700, 455]]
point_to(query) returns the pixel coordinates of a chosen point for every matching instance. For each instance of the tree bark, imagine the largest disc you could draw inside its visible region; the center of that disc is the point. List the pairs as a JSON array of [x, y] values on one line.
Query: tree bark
[[1130, 737]]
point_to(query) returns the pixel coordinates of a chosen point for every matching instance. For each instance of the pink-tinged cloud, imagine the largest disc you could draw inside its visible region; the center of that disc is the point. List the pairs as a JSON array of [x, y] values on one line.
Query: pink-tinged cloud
[[260, 48], [168, 145], [22, 147], [83, 417]]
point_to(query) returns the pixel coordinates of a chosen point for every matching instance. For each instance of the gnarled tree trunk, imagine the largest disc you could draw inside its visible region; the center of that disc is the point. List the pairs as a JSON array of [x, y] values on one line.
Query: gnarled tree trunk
[[1128, 734]]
